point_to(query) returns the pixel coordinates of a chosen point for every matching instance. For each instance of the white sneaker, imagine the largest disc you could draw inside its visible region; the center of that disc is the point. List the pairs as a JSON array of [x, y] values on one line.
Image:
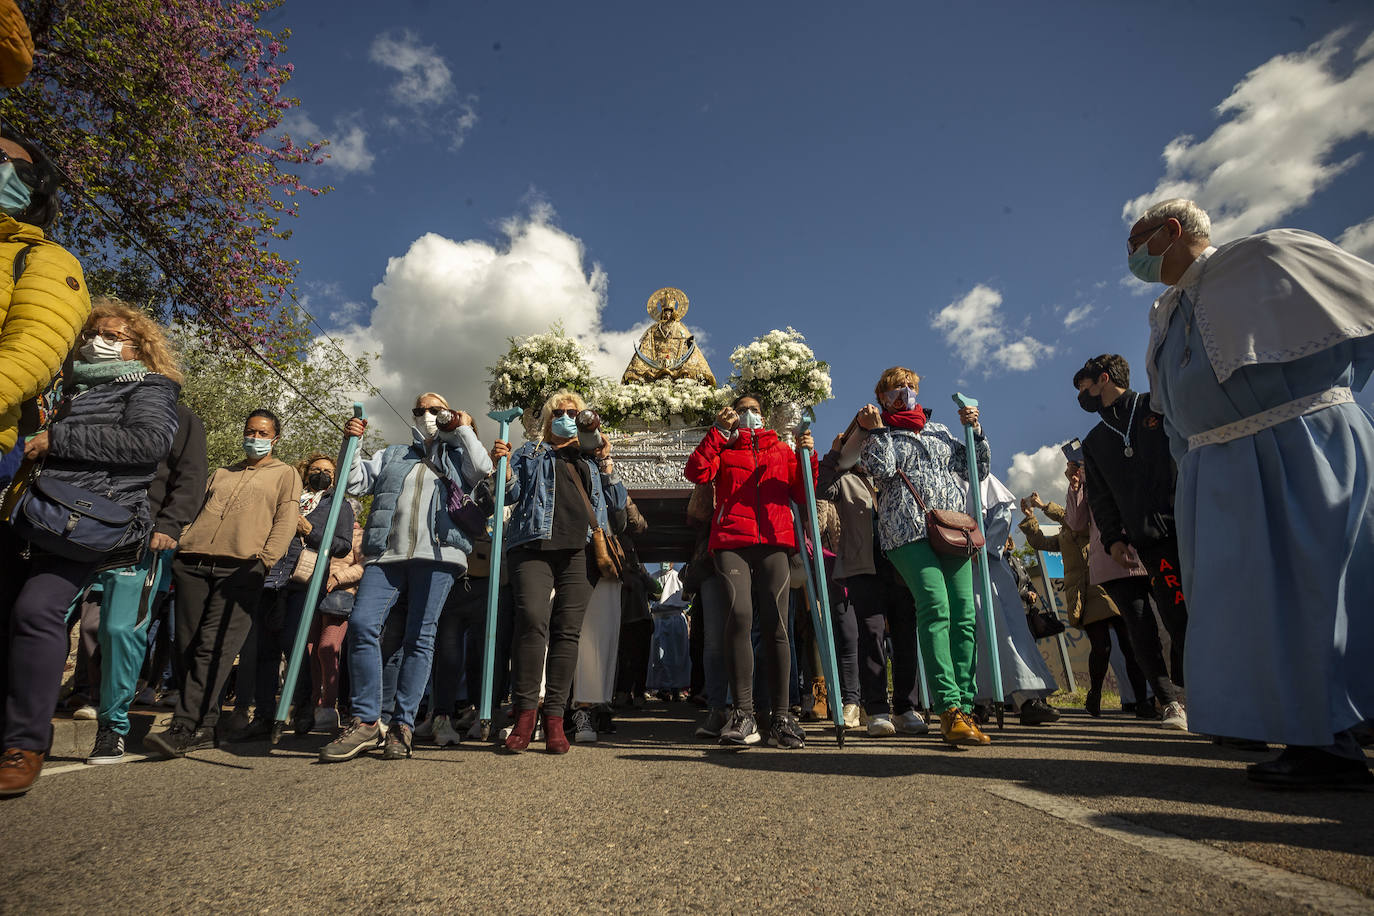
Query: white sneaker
[[583, 730], [1175, 717], [444, 732], [426, 728], [880, 726], [911, 723], [851, 715], [86, 713]]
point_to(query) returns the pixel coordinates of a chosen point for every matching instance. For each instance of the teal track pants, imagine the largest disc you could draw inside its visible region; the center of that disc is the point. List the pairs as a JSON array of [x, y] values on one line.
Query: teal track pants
[[125, 612]]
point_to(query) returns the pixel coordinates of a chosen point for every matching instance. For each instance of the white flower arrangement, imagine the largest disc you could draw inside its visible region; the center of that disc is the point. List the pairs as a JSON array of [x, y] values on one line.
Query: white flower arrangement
[[782, 370], [656, 402], [535, 367]]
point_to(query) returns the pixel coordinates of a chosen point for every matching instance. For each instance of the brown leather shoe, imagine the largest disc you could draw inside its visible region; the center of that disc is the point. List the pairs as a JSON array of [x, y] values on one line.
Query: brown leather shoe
[[958, 727], [19, 770]]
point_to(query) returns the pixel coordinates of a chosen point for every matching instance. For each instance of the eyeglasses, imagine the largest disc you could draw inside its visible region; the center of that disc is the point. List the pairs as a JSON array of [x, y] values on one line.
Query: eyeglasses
[[22, 167], [569, 412], [111, 337], [432, 411], [1132, 244]]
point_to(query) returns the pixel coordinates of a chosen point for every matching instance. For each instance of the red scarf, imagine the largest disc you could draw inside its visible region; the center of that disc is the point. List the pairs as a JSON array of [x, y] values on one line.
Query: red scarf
[[912, 419]]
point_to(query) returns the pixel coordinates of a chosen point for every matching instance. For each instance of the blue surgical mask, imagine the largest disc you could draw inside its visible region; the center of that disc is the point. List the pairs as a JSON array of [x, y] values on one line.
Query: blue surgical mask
[[750, 419], [564, 427], [1146, 266], [15, 196], [257, 448]]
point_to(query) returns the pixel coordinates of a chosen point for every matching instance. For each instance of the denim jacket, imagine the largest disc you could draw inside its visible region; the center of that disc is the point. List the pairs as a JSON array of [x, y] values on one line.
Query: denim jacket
[[530, 492]]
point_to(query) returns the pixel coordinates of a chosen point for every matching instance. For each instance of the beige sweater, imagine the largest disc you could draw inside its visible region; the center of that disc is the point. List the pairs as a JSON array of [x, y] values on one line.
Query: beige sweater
[[248, 513]]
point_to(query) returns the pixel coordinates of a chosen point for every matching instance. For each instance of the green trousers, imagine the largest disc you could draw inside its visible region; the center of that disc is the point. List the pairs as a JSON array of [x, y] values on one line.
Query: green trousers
[[945, 619], [125, 611]]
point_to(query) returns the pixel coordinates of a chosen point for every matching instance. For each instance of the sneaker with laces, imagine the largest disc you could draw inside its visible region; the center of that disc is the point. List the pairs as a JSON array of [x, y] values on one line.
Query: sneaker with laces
[[715, 722], [850, 712], [911, 723], [784, 732], [740, 731], [85, 712], [426, 728], [465, 721], [584, 732], [399, 741], [109, 747], [357, 738], [474, 732], [1175, 717], [1036, 711], [179, 740], [880, 726], [444, 732]]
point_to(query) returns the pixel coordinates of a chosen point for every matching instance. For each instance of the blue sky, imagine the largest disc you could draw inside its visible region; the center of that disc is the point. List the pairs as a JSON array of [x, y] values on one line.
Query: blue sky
[[939, 186]]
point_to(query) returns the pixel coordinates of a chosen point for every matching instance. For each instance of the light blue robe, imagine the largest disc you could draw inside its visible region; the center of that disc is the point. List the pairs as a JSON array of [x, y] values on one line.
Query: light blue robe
[[1276, 539]]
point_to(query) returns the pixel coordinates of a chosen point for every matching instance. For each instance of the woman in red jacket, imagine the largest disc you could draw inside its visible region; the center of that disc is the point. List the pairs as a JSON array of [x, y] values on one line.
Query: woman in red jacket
[[757, 478]]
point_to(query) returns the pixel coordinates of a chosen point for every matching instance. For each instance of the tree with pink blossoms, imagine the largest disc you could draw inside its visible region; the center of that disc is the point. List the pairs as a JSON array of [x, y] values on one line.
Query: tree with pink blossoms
[[166, 114]]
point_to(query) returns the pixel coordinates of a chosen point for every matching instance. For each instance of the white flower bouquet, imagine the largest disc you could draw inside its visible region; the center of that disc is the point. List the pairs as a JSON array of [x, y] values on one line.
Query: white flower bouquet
[[535, 367], [781, 370]]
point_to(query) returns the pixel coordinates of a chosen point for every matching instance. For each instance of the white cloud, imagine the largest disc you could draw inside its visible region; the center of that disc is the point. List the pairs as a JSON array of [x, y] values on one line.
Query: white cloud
[[1076, 315], [347, 150], [1359, 239], [425, 78], [1041, 471], [465, 121], [975, 328], [445, 309], [1274, 150]]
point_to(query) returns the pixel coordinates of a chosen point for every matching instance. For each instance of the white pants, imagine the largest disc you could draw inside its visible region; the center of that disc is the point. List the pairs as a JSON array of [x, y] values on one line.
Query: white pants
[[594, 680]]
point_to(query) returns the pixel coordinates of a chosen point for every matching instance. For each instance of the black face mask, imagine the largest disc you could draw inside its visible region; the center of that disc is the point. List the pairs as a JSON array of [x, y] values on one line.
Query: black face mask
[[1090, 402], [319, 480]]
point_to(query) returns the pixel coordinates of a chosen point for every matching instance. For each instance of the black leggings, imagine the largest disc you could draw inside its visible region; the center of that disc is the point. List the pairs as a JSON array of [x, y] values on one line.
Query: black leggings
[[1132, 598], [738, 570], [551, 591], [1100, 654]]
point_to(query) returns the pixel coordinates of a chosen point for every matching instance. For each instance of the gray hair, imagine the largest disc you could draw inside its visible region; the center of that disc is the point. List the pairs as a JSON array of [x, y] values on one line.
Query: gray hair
[[1190, 216]]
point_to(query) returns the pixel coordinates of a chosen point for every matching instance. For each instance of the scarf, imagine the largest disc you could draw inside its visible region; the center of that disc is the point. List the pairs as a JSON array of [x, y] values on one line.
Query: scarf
[[309, 501], [913, 419], [85, 376]]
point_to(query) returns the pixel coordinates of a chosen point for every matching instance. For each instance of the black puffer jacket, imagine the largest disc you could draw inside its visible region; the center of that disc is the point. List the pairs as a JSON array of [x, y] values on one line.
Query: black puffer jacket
[[340, 546], [110, 439]]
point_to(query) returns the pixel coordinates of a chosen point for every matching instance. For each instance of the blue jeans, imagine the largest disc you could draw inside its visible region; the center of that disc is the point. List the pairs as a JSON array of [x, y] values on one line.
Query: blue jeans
[[425, 585]]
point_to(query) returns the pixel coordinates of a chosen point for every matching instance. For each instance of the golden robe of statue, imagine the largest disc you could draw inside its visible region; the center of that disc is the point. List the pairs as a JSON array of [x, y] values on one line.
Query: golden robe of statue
[[668, 349]]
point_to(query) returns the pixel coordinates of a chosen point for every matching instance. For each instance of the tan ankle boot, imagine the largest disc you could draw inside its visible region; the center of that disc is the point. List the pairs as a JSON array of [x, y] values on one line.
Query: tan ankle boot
[[19, 770], [957, 727]]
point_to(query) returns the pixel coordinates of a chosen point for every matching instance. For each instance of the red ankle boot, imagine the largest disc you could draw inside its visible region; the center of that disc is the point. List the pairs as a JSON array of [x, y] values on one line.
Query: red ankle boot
[[555, 742], [520, 734]]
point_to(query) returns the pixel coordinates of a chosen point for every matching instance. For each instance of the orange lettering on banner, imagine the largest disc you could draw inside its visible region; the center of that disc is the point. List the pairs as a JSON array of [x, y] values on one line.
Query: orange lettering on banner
[[1172, 582], [1163, 565]]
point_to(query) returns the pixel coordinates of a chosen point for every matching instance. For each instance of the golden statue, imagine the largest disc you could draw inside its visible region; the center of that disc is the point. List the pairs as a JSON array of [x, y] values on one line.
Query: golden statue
[[668, 349]]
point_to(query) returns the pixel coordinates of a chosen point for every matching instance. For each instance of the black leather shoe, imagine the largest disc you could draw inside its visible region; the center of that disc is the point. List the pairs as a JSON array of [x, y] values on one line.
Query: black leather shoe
[[1310, 768], [1037, 712], [1092, 704], [1239, 744], [178, 740], [260, 729]]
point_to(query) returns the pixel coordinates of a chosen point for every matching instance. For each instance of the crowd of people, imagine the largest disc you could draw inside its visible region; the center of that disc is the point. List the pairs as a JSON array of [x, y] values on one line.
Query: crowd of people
[[1219, 526]]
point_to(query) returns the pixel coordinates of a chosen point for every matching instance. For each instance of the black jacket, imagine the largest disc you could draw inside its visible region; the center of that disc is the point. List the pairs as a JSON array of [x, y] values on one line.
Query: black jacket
[[1132, 499], [178, 489], [340, 546], [110, 438]]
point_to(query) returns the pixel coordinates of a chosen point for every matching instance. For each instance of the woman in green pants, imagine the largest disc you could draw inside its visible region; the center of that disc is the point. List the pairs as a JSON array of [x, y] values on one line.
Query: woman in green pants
[[903, 448]]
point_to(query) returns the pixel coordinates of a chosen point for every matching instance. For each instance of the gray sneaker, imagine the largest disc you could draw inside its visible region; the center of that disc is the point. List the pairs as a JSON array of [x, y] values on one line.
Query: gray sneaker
[[358, 738], [715, 722], [399, 739], [911, 723], [1175, 717]]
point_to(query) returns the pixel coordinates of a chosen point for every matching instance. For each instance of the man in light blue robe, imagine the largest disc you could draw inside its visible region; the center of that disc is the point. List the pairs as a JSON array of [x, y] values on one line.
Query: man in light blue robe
[[1255, 351]]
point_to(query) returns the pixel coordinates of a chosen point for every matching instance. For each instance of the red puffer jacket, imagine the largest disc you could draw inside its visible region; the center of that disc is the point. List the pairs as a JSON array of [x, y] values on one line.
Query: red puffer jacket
[[756, 477]]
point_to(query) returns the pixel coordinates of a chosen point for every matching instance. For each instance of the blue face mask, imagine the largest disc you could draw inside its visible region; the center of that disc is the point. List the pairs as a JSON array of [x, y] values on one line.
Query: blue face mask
[[749, 419], [15, 196], [564, 427], [257, 448], [1146, 266]]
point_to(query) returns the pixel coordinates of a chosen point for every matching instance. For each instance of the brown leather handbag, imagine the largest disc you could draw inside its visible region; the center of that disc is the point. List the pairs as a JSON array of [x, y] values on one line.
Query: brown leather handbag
[[951, 533], [610, 557]]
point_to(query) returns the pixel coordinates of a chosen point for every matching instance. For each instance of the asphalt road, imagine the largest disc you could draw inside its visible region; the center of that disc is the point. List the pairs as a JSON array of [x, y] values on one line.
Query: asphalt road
[[1085, 816]]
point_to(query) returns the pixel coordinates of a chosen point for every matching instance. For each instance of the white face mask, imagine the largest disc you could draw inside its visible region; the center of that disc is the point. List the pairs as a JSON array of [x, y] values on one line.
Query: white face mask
[[429, 425], [99, 350]]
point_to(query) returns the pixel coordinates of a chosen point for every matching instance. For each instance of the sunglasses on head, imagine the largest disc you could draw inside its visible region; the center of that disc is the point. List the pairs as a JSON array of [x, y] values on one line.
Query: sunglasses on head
[[432, 411]]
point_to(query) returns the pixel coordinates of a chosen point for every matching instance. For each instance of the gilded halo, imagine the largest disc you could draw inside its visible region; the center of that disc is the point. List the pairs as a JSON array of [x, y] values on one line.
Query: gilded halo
[[677, 296]]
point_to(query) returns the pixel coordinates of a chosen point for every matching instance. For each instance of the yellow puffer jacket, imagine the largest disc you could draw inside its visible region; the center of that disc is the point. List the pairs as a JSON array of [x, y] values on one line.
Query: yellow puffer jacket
[[16, 45], [40, 317]]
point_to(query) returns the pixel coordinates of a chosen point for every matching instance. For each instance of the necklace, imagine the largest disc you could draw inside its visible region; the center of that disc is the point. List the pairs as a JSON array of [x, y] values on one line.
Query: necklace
[[1130, 423]]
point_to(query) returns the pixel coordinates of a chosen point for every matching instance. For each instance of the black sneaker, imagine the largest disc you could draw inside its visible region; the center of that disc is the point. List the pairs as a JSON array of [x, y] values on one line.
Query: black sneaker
[[259, 729], [179, 740], [740, 731], [783, 731], [1092, 704], [399, 739], [1037, 712], [109, 747]]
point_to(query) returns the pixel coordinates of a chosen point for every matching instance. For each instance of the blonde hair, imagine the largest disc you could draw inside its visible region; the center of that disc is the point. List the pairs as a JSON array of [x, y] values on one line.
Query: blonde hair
[[896, 377], [560, 396], [430, 394], [153, 349]]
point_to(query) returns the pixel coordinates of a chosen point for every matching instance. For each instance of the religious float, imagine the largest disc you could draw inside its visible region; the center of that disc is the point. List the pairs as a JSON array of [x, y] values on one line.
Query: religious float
[[662, 405]]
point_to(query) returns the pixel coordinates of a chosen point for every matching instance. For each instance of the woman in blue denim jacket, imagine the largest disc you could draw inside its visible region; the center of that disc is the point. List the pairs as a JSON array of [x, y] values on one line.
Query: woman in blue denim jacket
[[550, 483]]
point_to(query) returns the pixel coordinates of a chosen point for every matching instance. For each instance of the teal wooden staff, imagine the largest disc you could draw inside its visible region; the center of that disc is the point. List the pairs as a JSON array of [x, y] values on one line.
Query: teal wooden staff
[[975, 488], [312, 591], [504, 418]]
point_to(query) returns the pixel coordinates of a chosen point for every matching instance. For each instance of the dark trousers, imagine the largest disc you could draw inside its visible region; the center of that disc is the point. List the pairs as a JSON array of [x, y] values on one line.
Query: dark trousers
[[460, 644], [1100, 653], [278, 616], [844, 623], [547, 623], [34, 628], [880, 604], [742, 570], [1167, 588], [1132, 598], [633, 667], [216, 600]]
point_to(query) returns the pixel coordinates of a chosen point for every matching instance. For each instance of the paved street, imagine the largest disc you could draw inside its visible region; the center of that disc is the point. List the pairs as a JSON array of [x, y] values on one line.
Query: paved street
[[1083, 815]]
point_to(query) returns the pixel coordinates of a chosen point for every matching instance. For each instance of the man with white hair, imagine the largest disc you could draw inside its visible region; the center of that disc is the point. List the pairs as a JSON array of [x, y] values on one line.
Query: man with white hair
[[1255, 351]]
